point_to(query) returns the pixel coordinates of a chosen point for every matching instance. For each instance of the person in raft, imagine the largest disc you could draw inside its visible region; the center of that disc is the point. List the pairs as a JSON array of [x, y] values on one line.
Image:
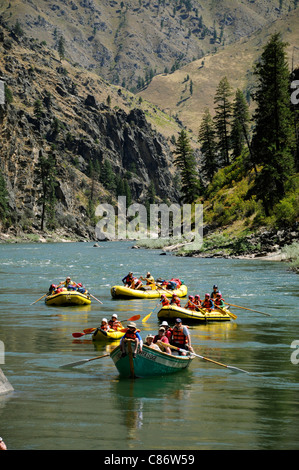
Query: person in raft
[[128, 279], [168, 330], [175, 300], [114, 323], [67, 283], [150, 281], [161, 337], [190, 304], [104, 325], [215, 292], [181, 337], [219, 301], [149, 341], [133, 334], [164, 300], [208, 303]]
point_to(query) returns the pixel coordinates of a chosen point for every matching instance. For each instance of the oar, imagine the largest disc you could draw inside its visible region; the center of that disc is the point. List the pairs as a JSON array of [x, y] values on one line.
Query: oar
[[95, 298], [88, 331], [206, 358], [38, 299], [78, 363], [147, 316], [257, 311], [232, 315]]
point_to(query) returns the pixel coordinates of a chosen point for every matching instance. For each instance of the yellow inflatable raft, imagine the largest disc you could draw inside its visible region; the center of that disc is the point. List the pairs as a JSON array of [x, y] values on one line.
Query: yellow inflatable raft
[[121, 292], [68, 297], [172, 312]]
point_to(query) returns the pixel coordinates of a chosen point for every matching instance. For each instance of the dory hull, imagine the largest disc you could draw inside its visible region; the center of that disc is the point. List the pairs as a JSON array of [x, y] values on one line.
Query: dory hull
[[110, 335], [68, 298], [148, 362], [172, 312], [121, 292]]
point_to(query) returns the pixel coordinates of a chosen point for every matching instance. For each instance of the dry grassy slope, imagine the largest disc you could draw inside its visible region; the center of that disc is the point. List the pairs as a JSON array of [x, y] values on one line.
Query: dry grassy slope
[[235, 61], [120, 43]]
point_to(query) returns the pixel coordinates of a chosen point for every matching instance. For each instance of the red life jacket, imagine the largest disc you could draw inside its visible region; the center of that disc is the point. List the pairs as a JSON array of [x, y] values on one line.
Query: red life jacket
[[177, 281], [176, 301], [178, 336], [190, 305], [104, 327], [218, 301], [165, 302], [114, 324], [207, 304]]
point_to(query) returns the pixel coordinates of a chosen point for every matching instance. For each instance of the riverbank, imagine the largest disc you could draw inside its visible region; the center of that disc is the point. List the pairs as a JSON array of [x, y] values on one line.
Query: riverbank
[[59, 236], [269, 245]]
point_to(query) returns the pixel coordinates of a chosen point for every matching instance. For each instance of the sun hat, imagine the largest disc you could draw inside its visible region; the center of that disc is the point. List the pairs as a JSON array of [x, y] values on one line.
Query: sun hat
[[149, 337], [131, 325]]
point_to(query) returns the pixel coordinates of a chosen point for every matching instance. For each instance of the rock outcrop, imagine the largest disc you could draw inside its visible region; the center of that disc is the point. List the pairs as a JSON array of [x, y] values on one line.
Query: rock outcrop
[[60, 110]]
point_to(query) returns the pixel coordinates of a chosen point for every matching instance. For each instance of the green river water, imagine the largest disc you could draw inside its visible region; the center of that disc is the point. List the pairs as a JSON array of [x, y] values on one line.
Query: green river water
[[206, 407]]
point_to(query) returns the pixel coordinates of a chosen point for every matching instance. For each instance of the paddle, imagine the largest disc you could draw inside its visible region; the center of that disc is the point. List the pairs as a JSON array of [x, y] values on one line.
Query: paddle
[[95, 298], [88, 331], [257, 311], [39, 299], [232, 315], [78, 363], [206, 358], [148, 316]]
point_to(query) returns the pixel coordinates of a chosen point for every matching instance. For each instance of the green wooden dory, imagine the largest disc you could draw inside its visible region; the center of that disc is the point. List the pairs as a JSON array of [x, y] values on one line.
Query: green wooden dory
[[148, 362]]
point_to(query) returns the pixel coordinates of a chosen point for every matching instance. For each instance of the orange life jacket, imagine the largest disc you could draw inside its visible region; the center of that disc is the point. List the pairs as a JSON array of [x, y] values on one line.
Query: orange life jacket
[[131, 334], [207, 304], [165, 302], [178, 336], [114, 324], [190, 305]]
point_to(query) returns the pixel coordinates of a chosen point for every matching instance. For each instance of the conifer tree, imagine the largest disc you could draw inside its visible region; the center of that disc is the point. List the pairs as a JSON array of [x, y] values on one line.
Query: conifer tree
[[207, 139], [61, 48], [46, 173], [273, 139], [223, 110], [240, 120], [185, 161]]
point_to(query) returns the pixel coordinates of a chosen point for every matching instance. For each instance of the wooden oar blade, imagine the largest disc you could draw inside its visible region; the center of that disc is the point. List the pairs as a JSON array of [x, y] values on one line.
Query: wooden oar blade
[[250, 309], [83, 361]]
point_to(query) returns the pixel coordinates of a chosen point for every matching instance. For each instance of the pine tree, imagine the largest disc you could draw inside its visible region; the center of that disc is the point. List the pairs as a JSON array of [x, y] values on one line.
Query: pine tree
[[46, 173], [207, 139], [185, 161], [240, 120], [222, 118], [61, 48], [273, 139]]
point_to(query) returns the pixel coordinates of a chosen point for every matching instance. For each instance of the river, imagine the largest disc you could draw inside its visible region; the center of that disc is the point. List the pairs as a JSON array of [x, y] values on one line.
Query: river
[[206, 407]]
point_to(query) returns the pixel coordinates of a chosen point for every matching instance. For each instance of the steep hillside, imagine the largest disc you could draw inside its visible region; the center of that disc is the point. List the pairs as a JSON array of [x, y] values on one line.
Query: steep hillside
[[172, 91], [55, 108], [127, 42]]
